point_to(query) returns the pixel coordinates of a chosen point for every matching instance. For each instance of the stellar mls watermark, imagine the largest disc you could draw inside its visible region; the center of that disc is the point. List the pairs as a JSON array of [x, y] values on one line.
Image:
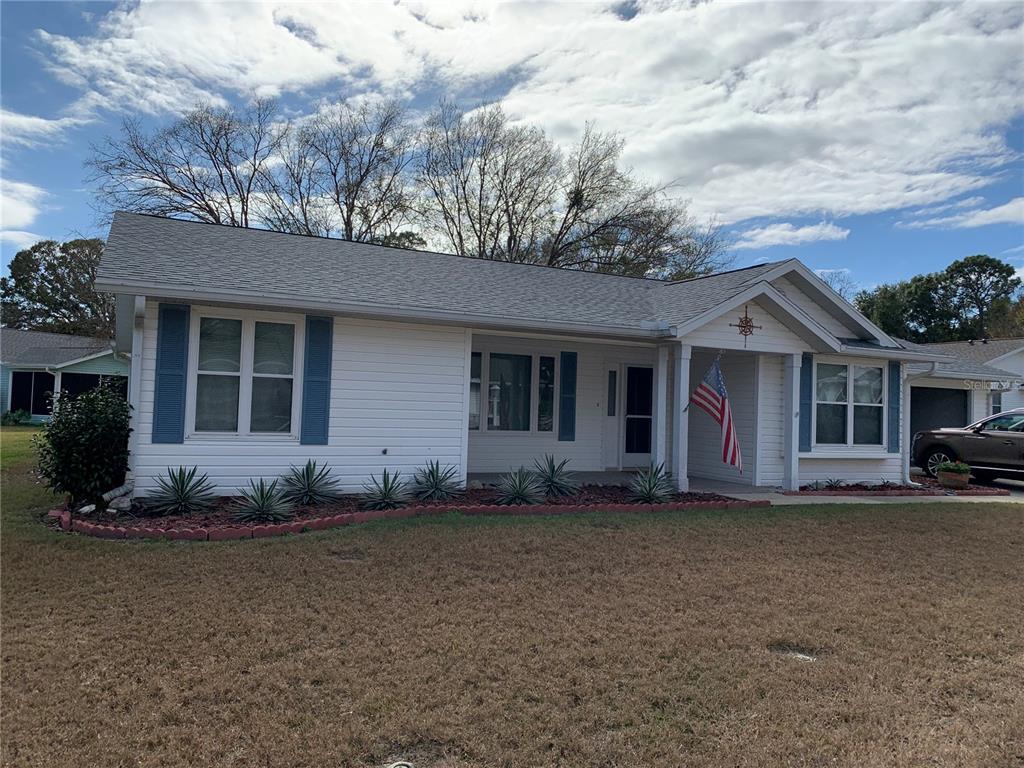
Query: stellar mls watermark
[[1000, 385]]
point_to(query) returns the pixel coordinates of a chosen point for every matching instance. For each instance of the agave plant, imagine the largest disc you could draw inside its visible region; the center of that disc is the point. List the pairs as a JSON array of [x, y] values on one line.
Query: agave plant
[[262, 503], [432, 483], [309, 486], [651, 486], [181, 493], [519, 487], [554, 478], [834, 482], [389, 493]]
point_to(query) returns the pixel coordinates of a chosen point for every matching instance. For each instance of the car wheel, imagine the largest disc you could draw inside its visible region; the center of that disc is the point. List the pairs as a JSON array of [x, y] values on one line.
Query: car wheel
[[935, 457]]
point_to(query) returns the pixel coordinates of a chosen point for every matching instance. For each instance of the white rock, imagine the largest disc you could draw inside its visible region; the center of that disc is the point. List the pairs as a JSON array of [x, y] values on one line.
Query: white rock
[[474, 485], [120, 504], [87, 509]]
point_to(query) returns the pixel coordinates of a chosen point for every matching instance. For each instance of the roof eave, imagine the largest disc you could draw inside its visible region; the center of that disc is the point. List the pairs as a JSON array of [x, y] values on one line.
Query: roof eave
[[376, 311]]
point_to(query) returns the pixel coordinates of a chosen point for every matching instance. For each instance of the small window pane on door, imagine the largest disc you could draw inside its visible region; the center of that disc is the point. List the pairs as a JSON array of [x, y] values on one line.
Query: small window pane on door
[[639, 392], [638, 435], [474, 390]]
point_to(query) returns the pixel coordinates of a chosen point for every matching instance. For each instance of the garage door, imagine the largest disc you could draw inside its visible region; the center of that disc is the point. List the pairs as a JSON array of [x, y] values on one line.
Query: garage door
[[931, 408]]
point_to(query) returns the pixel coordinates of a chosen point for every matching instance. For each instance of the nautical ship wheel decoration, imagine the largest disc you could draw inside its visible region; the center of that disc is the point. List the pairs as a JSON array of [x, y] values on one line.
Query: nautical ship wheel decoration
[[746, 326]]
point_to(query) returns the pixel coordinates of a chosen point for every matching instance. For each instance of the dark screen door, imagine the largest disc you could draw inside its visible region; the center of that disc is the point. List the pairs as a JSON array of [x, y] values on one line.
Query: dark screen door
[[639, 409]]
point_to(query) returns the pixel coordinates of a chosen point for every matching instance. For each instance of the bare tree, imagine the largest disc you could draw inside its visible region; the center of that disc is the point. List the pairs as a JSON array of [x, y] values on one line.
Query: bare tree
[[840, 281], [206, 165], [344, 173], [501, 191]]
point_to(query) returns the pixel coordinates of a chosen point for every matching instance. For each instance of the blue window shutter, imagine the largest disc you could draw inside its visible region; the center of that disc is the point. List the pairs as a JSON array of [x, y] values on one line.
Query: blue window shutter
[[895, 398], [806, 400], [316, 380], [567, 398], [171, 373]]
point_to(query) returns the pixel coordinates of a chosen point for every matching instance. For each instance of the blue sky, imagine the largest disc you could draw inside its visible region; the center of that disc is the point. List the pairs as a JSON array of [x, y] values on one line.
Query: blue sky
[[885, 140]]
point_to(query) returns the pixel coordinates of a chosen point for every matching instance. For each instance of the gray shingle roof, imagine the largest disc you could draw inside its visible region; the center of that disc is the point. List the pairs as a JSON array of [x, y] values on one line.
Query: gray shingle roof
[[978, 351], [157, 256], [181, 257], [33, 348]]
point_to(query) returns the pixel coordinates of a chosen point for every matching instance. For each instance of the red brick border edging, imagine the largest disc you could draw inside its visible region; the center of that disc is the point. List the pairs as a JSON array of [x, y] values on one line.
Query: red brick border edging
[[227, 532]]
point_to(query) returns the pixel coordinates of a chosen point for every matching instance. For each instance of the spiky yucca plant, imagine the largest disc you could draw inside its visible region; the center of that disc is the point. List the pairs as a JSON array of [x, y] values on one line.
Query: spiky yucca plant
[[554, 478], [389, 493], [519, 487], [262, 503], [309, 486], [432, 483], [181, 493], [651, 486]]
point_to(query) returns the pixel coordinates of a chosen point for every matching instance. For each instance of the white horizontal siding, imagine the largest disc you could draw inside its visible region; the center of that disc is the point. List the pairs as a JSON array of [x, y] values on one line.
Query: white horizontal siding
[[705, 438], [771, 420], [501, 451], [772, 336], [851, 470], [395, 386]]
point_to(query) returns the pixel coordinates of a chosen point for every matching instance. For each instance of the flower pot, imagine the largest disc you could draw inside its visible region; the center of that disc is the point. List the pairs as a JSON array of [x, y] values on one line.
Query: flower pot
[[953, 479]]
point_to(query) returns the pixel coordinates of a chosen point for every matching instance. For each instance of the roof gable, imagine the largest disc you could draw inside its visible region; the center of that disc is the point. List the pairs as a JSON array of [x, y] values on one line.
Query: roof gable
[[39, 348]]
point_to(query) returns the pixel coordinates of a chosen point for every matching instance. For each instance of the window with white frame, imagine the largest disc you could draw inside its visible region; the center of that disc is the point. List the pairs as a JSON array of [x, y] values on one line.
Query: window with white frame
[[512, 392], [849, 404], [244, 375], [997, 402]]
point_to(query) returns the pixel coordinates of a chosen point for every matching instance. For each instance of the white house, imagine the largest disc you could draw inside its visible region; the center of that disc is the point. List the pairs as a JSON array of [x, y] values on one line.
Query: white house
[[254, 350], [986, 377], [35, 364]]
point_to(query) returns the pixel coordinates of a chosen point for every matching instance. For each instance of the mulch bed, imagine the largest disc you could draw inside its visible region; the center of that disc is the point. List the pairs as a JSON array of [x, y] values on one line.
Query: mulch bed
[[927, 487], [218, 523]]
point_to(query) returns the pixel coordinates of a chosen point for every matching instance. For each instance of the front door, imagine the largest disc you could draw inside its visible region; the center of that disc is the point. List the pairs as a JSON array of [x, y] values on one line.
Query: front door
[[638, 416]]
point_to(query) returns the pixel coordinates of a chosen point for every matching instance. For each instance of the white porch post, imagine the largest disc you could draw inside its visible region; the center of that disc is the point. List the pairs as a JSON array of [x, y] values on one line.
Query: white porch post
[[660, 408], [681, 426], [905, 435], [791, 420]]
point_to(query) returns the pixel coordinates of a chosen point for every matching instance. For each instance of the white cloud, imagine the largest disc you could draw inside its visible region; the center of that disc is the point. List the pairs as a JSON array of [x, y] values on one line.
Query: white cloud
[[755, 110], [1015, 249], [787, 234], [28, 130], [1008, 213], [19, 204], [19, 239]]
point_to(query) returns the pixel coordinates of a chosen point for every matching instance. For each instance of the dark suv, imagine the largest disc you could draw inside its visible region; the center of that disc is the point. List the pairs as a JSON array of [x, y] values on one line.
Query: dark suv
[[993, 447]]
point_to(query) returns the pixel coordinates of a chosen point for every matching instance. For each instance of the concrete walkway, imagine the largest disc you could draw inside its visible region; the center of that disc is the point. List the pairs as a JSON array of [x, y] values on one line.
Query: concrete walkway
[[777, 498]]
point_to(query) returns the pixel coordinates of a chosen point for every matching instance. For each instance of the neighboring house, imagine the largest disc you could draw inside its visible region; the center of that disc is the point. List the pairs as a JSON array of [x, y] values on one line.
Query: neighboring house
[[255, 350], [984, 378], [34, 365]]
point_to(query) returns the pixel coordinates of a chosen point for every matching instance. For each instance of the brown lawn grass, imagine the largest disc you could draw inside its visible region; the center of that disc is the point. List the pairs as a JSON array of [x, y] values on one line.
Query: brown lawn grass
[[591, 640]]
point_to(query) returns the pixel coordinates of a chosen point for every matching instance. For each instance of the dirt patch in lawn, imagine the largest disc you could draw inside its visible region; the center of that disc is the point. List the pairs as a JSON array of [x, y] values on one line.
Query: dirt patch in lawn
[[560, 641], [221, 514]]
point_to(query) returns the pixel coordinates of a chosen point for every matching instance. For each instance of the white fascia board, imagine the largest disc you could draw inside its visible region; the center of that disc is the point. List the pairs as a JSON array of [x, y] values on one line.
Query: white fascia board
[[84, 359], [381, 311], [843, 309]]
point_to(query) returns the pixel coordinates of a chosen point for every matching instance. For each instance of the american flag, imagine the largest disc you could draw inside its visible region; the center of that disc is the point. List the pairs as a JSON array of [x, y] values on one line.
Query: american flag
[[711, 397]]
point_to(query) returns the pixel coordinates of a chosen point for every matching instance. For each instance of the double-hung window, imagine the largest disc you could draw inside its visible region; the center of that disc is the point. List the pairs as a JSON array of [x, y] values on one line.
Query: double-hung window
[[511, 392], [244, 375], [849, 404]]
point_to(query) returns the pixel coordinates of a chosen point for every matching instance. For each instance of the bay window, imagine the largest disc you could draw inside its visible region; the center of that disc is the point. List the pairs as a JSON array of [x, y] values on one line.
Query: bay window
[[243, 375], [849, 404]]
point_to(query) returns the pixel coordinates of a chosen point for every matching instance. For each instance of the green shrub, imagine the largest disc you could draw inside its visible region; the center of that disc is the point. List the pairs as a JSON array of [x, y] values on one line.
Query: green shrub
[[309, 486], [432, 483], [519, 487], [83, 451], [15, 418], [652, 486], [181, 493], [262, 503], [832, 483], [554, 478], [956, 467], [389, 493]]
